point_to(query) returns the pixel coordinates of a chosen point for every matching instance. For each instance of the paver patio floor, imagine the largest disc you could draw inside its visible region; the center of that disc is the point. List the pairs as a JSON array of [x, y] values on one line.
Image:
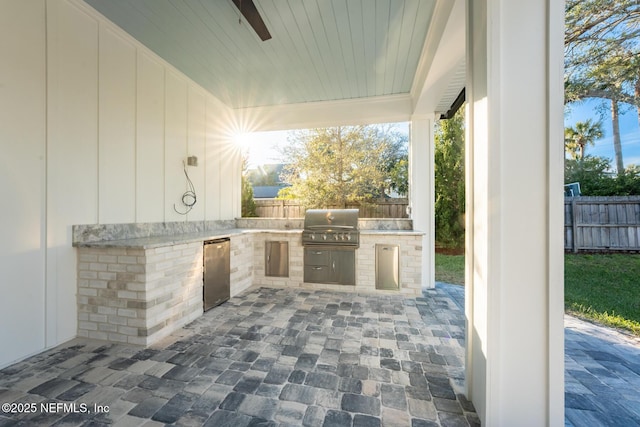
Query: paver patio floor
[[291, 357], [267, 357], [602, 376]]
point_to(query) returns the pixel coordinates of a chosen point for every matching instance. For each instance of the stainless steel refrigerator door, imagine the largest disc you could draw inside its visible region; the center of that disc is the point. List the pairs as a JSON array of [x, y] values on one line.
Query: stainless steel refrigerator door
[[217, 272]]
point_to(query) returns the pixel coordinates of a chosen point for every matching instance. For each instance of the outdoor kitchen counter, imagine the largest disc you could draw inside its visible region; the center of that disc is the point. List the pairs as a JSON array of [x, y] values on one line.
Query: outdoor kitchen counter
[[178, 239], [174, 239], [393, 232], [138, 290]]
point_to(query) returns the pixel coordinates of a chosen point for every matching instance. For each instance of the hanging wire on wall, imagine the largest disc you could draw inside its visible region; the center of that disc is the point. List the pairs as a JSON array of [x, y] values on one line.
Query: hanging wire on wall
[[189, 197]]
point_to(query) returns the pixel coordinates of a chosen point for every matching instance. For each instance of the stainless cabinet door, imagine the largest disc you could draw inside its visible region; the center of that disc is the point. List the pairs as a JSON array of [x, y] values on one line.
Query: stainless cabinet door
[[343, 267], [387, 267], [276, 259]]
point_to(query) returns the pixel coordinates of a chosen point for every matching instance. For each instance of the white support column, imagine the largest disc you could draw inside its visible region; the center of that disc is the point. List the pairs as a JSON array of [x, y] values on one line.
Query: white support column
[[514, 307], [421, 191]]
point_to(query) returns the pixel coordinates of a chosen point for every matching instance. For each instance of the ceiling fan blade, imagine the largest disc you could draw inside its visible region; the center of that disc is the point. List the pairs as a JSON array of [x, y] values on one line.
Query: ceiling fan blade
[[251, 14]]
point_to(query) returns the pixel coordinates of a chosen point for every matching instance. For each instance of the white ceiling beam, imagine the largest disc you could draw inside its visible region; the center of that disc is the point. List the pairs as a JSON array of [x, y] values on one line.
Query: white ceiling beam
[[442, 56], [381, 109]]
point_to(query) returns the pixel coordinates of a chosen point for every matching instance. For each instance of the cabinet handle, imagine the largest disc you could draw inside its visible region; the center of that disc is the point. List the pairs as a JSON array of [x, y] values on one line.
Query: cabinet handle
[[333, 266], [317, 268]]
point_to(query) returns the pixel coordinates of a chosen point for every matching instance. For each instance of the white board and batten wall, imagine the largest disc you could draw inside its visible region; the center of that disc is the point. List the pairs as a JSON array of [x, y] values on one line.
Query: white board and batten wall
[[22, 179], [94, 128]]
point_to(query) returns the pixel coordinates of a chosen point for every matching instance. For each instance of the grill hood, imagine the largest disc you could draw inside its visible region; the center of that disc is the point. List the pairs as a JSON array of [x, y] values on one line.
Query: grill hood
[[331, 219]]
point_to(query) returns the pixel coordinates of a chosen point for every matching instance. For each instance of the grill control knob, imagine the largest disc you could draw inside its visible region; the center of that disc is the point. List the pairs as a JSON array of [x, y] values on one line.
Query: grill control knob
[[324, 237], [348, 236], [313, 237]]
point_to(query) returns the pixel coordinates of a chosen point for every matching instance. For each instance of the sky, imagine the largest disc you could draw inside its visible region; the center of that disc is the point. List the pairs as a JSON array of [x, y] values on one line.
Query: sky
[[263, 147], [629, 129]]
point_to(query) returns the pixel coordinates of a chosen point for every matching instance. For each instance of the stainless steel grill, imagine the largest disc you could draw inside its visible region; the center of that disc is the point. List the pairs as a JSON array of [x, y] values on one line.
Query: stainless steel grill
[[331, 227], [330, 238]]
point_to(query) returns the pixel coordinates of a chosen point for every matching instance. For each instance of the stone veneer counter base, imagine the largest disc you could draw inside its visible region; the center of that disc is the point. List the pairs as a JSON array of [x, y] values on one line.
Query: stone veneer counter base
[[140, 288]]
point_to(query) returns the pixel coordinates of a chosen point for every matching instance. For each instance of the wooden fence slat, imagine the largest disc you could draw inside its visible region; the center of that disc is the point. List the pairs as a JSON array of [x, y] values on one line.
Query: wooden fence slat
[[276, 208], [602, 223], [574, 229]]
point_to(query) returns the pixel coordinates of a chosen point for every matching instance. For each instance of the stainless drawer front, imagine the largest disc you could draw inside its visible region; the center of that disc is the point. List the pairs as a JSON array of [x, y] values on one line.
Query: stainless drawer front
[[317, 273], [316, 257]]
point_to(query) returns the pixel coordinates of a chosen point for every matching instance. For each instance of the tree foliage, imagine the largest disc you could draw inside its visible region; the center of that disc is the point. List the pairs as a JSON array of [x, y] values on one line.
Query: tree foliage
[[602, 56], [577, 137], [341, 165], [248, 205], [601, 42], [592, 172], [450, 181]]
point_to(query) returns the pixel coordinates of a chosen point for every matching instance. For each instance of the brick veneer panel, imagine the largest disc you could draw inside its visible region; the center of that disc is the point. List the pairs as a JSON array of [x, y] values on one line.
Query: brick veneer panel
[[410, 261], [241, 262], [138, 296]]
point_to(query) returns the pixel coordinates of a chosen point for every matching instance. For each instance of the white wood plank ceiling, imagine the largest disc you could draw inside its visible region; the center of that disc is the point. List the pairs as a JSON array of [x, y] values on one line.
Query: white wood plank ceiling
[[320, 49]]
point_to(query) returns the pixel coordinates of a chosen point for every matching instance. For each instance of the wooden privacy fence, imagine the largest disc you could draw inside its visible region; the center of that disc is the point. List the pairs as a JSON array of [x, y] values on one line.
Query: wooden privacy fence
[[602, 223], [276, 208]]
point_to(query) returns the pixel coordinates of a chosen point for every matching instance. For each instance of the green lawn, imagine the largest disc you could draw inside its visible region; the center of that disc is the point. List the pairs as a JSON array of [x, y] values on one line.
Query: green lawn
[[604, 288], [450, 269]]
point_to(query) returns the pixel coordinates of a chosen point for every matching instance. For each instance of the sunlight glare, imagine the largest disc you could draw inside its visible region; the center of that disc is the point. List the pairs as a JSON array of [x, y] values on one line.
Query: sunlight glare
[[243, 140]]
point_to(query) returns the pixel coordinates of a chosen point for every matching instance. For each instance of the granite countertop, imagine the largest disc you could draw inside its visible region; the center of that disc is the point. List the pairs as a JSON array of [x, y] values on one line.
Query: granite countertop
[[176, 239], [394, 232]]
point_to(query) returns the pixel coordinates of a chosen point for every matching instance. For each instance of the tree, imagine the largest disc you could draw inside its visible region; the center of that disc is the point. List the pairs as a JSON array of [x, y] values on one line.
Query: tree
[[592, 172], [602, 56], [583, 134], [341, 165], [449, 181], [248, 204], [607, 80], [399, 175]]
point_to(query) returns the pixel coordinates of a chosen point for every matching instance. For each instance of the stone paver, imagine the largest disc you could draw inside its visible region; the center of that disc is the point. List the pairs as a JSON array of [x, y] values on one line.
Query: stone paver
[[267, 357], [602, 376], [284, 357]]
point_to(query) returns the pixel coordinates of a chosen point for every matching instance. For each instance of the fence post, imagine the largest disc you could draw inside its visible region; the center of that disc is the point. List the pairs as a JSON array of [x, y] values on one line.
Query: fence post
[[574, 225]]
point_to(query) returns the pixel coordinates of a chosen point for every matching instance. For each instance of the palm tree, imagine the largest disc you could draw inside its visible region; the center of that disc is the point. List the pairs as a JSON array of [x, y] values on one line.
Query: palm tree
[[578, 137]]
